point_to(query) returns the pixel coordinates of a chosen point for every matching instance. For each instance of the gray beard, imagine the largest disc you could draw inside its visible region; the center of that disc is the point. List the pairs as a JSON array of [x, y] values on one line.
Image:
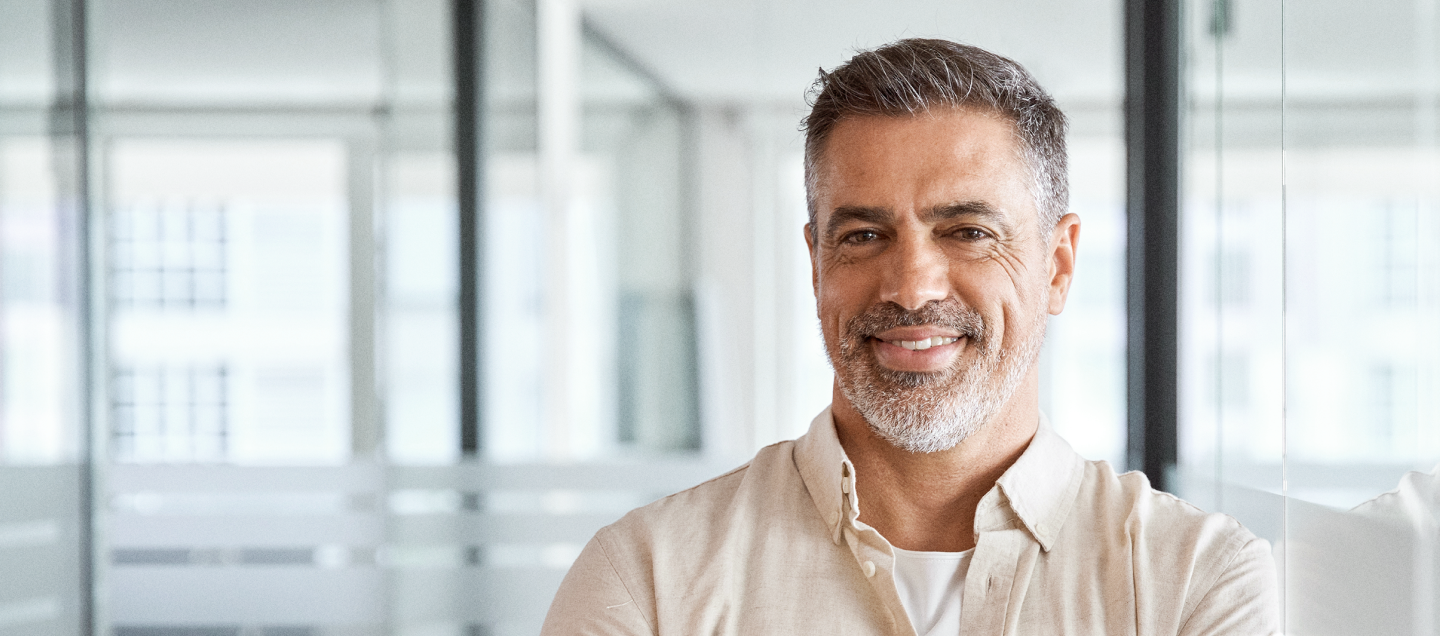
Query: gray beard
[[930, 412]]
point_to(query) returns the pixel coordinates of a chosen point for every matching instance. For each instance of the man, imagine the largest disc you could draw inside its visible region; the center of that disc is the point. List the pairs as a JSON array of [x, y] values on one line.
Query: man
[[931, 497]]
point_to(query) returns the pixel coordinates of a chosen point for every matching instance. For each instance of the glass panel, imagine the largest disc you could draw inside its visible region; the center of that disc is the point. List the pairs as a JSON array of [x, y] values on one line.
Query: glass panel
[[515, 264], [1362, 175], [1312, 250], [1232, 269], [633, 131], [240, 159], [43, 507], [587, 246], [416, 237]]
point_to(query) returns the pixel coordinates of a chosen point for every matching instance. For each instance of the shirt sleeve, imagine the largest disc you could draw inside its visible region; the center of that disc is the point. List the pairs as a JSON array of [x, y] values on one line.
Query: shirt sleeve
[[594, 601], [1244, 600]]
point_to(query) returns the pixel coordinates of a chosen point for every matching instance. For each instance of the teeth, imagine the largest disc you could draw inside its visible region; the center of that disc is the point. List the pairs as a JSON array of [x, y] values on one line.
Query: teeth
[[921, 345]]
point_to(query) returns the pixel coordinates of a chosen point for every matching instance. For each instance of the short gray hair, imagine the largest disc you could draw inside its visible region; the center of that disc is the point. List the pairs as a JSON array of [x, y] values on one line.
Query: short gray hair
[[912, 76]]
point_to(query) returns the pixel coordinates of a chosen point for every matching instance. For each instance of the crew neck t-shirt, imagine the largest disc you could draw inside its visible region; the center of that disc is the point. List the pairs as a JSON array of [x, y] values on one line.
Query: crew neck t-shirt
[[931, 586]]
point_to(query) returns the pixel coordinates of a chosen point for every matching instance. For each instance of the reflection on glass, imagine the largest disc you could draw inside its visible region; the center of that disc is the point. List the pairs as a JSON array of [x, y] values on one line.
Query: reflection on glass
[[1232, 268], [1371, 569], [1363, 372], [1315, 246]]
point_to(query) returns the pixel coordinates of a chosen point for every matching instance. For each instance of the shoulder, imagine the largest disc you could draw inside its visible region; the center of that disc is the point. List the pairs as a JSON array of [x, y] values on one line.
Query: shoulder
[[1127, 501], [771, 468], [1221, 572], [677, 532], [675, 546]]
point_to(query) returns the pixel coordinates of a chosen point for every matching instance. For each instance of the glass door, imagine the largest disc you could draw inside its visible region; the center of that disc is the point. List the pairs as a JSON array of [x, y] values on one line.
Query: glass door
[[1314, 283]]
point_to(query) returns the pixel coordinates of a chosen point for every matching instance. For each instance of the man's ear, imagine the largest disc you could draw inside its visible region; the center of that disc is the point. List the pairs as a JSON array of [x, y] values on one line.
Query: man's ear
[[814, 264], [1064, 242]]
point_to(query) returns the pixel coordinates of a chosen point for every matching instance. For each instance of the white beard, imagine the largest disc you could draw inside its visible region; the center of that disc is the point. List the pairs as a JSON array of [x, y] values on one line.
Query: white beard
[[930, 412]]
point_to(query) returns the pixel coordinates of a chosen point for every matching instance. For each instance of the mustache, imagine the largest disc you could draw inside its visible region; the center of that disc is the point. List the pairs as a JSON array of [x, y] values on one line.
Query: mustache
[[949, 313]]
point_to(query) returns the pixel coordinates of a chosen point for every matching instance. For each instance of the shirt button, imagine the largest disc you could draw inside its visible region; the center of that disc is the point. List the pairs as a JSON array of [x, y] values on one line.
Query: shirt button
[[869, 568], [845, 485]]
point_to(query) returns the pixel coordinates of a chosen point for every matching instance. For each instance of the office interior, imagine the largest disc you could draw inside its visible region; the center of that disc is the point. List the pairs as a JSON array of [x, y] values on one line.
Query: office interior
[[359, 317]]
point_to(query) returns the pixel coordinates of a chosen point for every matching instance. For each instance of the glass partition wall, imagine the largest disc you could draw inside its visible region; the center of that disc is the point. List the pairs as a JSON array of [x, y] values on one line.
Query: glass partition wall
[[1311, 284], [243, 156], [281, 438]]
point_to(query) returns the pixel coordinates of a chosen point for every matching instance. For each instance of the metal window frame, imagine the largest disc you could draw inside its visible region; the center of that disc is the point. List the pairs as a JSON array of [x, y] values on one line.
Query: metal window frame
[[1152, 140], [69, 128], [468, 22]]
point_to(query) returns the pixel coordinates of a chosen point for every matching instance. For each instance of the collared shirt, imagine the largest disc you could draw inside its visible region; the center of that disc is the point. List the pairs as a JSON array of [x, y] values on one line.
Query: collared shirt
[[1062, 546]]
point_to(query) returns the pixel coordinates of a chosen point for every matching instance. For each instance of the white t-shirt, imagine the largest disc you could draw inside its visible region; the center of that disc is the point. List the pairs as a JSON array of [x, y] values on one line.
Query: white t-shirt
[[931, 586]]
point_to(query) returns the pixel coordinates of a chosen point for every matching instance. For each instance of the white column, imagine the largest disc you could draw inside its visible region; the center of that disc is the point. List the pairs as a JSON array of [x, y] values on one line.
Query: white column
[[765, 330], [558, 85], [725, 281]]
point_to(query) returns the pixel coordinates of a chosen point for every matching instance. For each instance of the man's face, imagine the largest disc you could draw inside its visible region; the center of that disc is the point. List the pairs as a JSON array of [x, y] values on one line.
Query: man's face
[[932, 275]]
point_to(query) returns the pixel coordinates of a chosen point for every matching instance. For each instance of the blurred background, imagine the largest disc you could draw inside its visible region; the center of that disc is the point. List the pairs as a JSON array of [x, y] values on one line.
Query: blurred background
[[235, 238]]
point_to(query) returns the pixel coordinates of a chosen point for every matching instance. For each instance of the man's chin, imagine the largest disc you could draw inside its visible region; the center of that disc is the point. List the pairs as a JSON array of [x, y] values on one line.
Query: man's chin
[[908, 383], [921, 438]]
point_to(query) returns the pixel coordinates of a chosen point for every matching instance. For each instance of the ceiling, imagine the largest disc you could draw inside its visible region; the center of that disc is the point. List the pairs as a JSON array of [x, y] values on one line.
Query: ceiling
[[726, 51], [769, 50]]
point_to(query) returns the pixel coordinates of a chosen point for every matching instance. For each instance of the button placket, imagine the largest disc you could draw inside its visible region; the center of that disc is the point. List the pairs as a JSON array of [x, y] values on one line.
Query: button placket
[[864, 553]]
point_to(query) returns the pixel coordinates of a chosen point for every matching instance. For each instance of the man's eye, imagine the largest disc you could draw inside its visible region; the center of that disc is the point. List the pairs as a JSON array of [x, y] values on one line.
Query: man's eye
[[861, 236], [972, 233]]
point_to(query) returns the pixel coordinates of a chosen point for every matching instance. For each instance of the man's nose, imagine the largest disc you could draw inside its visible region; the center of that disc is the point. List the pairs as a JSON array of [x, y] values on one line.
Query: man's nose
[[917, 273]]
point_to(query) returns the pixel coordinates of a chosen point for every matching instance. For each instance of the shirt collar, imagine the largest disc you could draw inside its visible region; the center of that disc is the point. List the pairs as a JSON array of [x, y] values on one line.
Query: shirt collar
[[1039, 488], [823, 466]]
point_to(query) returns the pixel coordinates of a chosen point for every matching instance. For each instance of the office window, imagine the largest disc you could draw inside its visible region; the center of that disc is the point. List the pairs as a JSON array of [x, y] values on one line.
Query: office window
[[228, 301], [166, 415], [169, 256]]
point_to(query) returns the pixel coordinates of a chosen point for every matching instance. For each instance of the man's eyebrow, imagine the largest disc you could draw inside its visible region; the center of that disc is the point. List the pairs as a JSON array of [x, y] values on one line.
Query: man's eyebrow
[[969, 208], [848, 214]]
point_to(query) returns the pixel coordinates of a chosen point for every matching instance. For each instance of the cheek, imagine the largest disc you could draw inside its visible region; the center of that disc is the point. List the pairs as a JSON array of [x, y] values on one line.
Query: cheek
[[1007, 304], [835, 305], [829, 312], [990, 279], [983, 286]]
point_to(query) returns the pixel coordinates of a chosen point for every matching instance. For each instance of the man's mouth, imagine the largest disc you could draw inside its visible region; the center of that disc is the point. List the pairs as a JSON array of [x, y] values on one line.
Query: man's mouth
[[916, 352], [924, 343]]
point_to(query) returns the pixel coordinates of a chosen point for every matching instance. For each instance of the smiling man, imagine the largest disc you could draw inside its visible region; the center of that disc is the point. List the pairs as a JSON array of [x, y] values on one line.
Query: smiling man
[[931, 497]]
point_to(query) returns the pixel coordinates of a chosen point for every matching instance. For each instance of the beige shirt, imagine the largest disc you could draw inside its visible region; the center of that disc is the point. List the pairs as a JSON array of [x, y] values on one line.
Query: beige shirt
[[1062, 546]]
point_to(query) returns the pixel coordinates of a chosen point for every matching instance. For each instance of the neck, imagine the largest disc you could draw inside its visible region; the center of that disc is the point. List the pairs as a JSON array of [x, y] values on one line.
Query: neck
[[927, 501]]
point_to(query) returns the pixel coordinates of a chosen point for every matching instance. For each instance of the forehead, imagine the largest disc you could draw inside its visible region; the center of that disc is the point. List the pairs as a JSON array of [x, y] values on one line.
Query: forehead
[[937, 158]]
